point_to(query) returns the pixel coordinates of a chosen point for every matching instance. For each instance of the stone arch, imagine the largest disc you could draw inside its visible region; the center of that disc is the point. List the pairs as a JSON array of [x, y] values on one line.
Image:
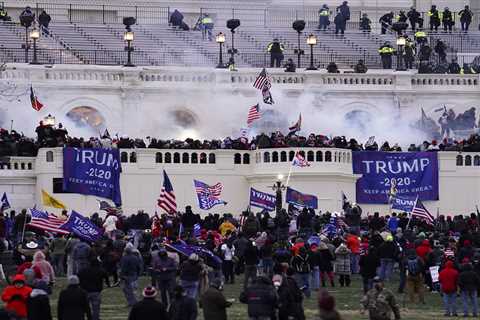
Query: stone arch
[[111, 116]]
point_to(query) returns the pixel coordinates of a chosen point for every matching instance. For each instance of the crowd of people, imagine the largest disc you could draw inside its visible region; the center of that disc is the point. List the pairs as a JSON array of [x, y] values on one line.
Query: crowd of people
[[13, 143], [280, 260]]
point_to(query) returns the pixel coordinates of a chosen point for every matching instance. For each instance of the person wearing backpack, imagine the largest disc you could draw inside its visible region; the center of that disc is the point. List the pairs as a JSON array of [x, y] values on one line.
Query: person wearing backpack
[[81, 256], [415, 281], [290, 297], [301, 264]]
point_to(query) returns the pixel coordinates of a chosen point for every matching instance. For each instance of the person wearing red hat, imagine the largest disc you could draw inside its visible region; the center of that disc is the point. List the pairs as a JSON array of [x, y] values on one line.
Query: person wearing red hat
[[448, 278], [15, 297], [148, 307]]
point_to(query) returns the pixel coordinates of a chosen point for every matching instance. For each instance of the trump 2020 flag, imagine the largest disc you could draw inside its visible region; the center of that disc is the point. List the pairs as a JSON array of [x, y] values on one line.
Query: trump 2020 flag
[[82, 227], [93, 171], [301, 199], [5, 203], [262, 200], [208, 196], [403, 203]]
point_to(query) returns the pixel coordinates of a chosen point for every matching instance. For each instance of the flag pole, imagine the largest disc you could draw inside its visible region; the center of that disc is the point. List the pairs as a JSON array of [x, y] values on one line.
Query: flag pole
[[408, 224], [24, 225], [11, 126], [289, 173]]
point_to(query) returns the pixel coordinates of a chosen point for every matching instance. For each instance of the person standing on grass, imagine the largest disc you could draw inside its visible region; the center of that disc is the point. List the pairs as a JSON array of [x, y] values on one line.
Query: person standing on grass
[[380, 302], [91, 280], [468, 281], [130, 270], [182, 307], [38, 304], [73, 302], [213, 302], [448, 279]]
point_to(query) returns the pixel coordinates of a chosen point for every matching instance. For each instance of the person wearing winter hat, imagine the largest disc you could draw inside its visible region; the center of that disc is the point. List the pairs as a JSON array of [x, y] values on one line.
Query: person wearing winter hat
[[468, 281], [214, 303], [15, 297], [326, 306], [148, 307], [38, 304], [73, 302], [448, 279]]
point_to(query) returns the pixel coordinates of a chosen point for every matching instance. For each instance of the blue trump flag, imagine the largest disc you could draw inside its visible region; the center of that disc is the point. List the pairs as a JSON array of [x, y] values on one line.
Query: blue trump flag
[[403, 203], [82, 227], [92, 171], [208, 196], [412, 173], [301, 199], [262, 200], [5, 204], [207, 255]]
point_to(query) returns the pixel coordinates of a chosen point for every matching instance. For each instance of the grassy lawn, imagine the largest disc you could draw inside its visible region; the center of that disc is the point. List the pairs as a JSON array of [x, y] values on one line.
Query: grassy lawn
[[114, 304]]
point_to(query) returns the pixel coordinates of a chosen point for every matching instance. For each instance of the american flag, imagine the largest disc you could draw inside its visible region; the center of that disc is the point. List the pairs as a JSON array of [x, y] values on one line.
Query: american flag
[[421, 212], [47, 221], [208, 196], [34, 100], [449, 252], [299, 161], [105, 206], [297, 126], [167, 200], [253, 114], [267, 96], [262, 81]]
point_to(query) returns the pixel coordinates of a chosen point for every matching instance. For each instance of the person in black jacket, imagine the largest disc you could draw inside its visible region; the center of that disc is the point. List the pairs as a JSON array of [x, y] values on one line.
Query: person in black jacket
[[38, 304], [251, 261], [182, 307], [386, 21], [387, 252], [44, 19], [290, 297], [414, 17], [190, 275], [369, 262], [73, 302], [261, 298], [91, 280], [148, 307], [468, 281], [301, 264]]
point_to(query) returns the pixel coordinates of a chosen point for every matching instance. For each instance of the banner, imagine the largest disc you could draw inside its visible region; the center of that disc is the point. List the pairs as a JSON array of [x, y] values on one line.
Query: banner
[[414, 173], [262, 200], [300, 199], [92, 171], [403, 203], [82, 227]]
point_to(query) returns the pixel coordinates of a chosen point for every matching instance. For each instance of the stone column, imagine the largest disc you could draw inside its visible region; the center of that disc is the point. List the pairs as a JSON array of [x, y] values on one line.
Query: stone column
[[132, 119]]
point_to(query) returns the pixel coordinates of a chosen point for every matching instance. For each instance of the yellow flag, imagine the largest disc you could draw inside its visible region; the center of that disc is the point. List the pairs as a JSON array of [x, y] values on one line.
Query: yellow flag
[[50, 201]]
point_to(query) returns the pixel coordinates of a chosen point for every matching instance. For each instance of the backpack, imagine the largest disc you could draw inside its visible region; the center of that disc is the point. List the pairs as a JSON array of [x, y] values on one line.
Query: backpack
[[413, 266]]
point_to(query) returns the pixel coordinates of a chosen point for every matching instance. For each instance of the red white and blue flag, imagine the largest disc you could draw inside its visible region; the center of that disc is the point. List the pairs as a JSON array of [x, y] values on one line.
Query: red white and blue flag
[[167, 200], [262, 82], [208, 196], [5, 204], [299, 161], [297, 126], [37, 105], [47, 221], [253, 114], [420, 212]]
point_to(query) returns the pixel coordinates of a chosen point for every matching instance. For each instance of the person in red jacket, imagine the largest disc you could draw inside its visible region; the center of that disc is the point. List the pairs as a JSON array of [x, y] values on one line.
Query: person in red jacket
[[423, 250], [353, 243], [448, 278], [15, 297]]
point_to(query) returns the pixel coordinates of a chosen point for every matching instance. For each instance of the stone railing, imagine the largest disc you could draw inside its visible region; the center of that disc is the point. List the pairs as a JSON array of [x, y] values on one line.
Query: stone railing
[[469, 159], [18, 163], [116, 76]]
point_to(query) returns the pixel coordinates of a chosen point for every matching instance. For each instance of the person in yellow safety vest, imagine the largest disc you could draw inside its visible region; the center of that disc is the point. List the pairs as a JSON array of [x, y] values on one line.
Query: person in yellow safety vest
[[386, 52], [467, 69], [401, 17], [447, 20], [421, 37], [207, 26], [435, 18], [275, 48], [324, 18]]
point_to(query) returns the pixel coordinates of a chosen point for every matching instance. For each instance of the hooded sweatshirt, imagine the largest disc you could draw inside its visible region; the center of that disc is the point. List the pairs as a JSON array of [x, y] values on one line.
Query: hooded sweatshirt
[[448, 278], [16, 298], [424, 249], [48, 275]]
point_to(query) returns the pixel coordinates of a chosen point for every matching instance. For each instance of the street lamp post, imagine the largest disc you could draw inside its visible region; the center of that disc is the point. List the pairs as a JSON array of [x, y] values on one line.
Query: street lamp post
[[129, 36], [35, 35], [278, 187], [401, 41], [26, 45], [220, 39], [311, 41]]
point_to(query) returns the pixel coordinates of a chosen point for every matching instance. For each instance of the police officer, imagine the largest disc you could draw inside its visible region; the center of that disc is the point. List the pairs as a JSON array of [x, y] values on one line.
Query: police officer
[[435, 18], [421, 37], [466, 16], [275, 49], [386, 52], [365, 23], [324, 17], [447, 20], [409, 53], [414, 17], [386, 21], [380, 302], [343, 15], [207, 25], [402, 17]]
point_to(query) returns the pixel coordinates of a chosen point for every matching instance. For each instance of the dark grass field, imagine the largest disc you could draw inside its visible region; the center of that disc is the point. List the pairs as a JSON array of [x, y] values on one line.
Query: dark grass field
[[114, 304]]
